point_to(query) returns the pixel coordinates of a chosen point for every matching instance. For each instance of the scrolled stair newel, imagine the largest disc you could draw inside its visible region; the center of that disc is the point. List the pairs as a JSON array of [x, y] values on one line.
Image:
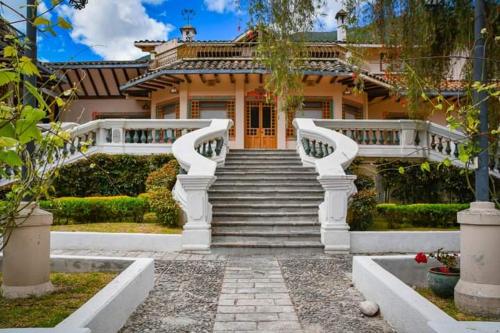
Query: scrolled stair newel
[[333, 212], [196, 235]]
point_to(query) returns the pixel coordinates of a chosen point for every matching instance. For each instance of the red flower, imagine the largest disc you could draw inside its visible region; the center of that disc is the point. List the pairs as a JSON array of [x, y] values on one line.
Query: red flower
[[421, 258]]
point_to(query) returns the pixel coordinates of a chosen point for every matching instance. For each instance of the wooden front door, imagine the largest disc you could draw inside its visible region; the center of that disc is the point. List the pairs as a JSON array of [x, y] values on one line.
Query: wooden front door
[[260, 125]]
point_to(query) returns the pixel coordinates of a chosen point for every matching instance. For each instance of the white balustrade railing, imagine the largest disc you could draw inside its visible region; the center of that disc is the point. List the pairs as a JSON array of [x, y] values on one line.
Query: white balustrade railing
[[199, 153], [330, 152], [406, 138]]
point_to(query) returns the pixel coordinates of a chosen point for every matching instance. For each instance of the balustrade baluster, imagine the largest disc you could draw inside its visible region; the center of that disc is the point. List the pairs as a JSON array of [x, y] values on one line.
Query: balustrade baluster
[[313, 148], [144, 137], [79, 145], [320, 150], [150, 136], [157, 136], [109, 137], [209, 151], [440, 144], [456, 150], [204, 150], [367, 136], [448, 148], [218, 146], [433, 141], [381, 137], [136, 136], [307, 146], [417, 138], [374, 137], [72, 148], [396, 139], [65, 149], [325, 151], [174, 135], [389, 137], [128, 137]]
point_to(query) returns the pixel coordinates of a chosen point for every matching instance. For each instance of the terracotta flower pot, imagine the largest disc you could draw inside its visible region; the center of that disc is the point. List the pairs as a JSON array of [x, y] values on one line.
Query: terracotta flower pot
[[442, 282]]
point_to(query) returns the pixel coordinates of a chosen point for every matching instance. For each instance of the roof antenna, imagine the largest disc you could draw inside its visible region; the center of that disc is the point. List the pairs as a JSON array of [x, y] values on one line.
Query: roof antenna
[[188, 14]]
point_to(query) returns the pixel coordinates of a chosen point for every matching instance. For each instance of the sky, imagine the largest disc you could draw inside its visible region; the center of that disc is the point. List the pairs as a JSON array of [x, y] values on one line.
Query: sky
[[107, 29]]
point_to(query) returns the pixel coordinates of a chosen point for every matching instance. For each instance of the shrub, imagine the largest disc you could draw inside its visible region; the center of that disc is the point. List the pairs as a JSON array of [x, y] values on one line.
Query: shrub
[[165, 177], [96, 209], [162, 203], [421, 215], [362, 209], [103, 174]]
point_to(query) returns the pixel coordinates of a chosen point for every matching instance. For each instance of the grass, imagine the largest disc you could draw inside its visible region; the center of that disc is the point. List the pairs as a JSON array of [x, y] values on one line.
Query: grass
[[126, 227], [72, 291], [448, 306], [381, 224]]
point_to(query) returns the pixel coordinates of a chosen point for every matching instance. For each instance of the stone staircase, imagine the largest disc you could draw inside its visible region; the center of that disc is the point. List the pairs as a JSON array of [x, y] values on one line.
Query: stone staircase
[[265, 201]]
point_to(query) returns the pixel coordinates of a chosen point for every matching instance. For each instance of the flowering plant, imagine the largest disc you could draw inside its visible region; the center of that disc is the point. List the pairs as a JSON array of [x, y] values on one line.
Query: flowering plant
[[449, 260]]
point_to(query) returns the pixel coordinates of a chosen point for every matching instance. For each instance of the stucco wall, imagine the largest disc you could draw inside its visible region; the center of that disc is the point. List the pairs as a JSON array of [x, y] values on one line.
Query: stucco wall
[[81, 110]]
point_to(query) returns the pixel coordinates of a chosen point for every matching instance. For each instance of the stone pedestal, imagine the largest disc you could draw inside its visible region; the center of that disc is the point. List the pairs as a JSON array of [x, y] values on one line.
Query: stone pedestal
[[333, 213], [26, 257], [478, 291], [197, 233]]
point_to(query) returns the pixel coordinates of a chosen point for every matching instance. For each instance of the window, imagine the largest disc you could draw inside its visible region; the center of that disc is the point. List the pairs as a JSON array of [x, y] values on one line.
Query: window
[[350, 111], [213, 110], [313, 109], [168, 111]]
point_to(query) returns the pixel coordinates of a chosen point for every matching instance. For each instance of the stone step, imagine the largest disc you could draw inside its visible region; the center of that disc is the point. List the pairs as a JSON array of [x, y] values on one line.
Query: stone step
[[265, 185], [253, 163], [273, 193], [248, 228], [251, 248], [214, 199], [244, 181], [243, 157], [275, 238], [264, 210], [264, 205], [263, 224], [269, 177], [262, 152], [268, 173], [259, 167], [266, 216]]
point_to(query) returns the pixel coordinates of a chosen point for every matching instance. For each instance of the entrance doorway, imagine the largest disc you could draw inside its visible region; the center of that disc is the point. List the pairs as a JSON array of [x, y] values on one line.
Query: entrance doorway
[[260, 125]]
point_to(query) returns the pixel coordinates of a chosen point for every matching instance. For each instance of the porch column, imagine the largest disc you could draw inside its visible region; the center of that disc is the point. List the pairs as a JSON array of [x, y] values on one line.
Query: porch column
[[365, 105], [239, 105], [337, 94], [183, 100], [333, 212], [280, 127]]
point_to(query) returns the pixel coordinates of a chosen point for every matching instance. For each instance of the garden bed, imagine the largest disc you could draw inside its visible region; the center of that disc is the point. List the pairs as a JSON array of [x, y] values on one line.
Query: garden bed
[[72, 290], [118, 227]]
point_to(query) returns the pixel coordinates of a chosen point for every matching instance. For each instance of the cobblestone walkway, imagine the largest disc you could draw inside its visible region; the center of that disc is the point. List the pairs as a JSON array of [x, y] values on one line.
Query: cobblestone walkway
[[219, 293], [254, 298]]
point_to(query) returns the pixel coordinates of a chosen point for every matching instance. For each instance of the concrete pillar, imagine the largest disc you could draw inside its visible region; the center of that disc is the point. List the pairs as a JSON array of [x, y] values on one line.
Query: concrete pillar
[[197, 233], [26, 257], [239, 106], [183, 100], [337, 93], [280, 126], [478, 290], [333, 212]]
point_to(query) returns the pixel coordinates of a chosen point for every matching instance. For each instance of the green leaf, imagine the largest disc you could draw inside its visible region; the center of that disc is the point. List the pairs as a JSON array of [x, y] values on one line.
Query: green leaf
[[401, 170], [31, 114], [11, 158], [425, 166], [9, 51], [7, 77], [63, 23], [447, 162], [40, 20], [27, 66], [6, 142], [34, 91], [7, 129], [27, 130]]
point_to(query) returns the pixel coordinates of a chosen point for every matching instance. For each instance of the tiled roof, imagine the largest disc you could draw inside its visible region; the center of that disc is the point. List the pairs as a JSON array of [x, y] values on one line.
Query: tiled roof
[[237, 66], [142, 62]]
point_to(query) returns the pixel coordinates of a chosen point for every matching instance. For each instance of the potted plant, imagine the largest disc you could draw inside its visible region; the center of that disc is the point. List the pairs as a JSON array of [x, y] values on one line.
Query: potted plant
[[441, 279]]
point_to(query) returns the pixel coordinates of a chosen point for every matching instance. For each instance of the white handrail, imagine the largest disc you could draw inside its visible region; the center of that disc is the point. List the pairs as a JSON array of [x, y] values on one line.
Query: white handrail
[[191, 189]]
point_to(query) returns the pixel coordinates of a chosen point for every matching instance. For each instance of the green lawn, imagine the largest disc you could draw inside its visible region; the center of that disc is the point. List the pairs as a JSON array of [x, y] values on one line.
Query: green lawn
[[127, 227], [380, 224], [448, 306], [72, 291]]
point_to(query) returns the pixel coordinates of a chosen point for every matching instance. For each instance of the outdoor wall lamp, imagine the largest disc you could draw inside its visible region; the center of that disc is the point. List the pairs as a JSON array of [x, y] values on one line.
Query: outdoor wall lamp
[[173, 90]]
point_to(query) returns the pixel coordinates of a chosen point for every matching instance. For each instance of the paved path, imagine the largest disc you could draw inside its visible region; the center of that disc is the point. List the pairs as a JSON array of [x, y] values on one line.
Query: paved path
[[222, 294]]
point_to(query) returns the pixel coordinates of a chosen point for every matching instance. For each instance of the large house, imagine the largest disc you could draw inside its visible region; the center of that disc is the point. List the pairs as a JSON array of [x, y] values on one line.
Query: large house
[[190, 79]]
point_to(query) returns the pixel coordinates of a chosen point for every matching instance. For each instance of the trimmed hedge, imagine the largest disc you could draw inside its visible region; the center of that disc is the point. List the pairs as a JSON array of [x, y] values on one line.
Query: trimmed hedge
[[96, 209], [164, 206], [421, 215], [165, 177], [362, 206], [103, 174]]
